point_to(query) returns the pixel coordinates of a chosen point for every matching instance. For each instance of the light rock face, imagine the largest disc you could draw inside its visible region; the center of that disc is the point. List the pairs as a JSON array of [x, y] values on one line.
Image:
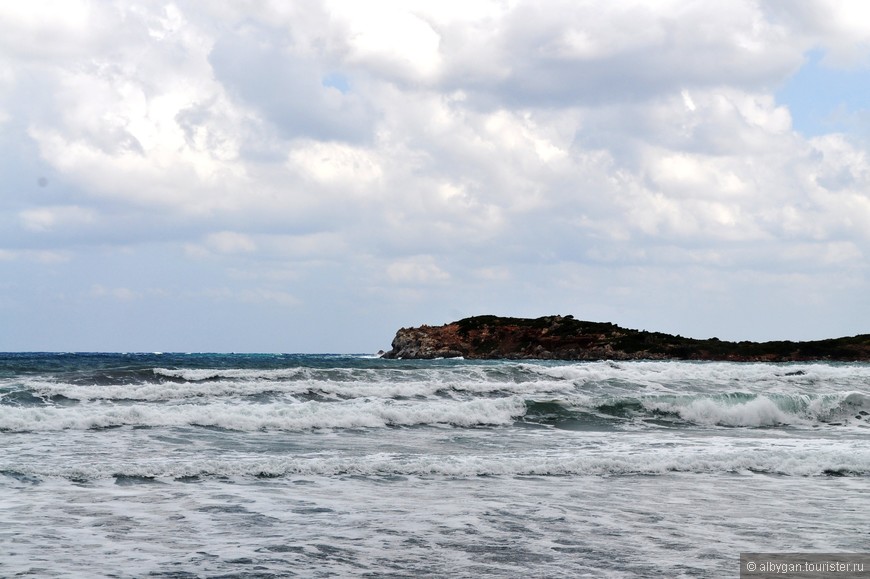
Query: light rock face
[[564, 338], [427, 342]]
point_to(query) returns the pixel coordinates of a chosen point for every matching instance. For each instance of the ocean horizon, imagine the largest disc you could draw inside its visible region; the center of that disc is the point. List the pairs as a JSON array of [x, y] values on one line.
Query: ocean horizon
[[318, 465]]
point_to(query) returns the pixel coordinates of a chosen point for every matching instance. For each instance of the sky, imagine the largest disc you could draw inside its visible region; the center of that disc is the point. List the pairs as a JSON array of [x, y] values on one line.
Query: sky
[[271, 176]]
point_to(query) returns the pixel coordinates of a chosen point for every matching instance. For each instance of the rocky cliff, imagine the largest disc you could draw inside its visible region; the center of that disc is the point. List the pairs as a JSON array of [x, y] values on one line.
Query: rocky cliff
[[564, 338]]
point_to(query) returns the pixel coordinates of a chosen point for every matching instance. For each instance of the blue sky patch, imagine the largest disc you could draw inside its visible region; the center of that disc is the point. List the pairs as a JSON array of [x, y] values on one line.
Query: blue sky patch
[[825, 100], [337, 80]]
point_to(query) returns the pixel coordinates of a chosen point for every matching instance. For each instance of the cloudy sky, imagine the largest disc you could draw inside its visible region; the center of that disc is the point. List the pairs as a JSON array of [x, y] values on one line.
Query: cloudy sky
[[310, 176]]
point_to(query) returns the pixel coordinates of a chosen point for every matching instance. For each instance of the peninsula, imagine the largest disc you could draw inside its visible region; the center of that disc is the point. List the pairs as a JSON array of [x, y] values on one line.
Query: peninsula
[[565, 338]]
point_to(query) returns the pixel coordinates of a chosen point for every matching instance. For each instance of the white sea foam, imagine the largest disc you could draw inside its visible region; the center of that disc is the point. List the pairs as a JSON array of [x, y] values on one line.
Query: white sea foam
[[843, 459], [763, 410], [760, 411], [679, 376], [530, 378], [216, 472], [335, 389], [356, 413], [735, 409]]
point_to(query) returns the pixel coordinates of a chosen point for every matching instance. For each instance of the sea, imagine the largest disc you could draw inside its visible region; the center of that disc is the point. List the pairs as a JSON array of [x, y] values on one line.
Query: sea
[[282, 465]]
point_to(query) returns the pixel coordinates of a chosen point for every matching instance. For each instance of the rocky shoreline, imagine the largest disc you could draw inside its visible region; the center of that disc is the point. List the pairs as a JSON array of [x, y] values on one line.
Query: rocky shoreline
[[565, 338]]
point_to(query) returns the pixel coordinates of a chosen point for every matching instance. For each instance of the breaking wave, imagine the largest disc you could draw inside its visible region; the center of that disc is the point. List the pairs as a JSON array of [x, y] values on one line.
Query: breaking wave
[[731, 409], [361, 413]]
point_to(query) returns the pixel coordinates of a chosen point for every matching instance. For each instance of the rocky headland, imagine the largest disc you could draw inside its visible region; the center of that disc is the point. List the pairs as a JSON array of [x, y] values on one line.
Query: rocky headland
[[564, 338]]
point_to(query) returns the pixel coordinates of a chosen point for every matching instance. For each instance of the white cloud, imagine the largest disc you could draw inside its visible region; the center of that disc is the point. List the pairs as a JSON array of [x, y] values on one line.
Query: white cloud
[[48, 28], [122, 294], [497, 274], [841, 27], [417, 270], [52, 217], [230, 242], [221, 243], [390, 37], [257, 295], [418, 147], [260, 295], [47, 257], [352, 168], [687, 100], [320, 245]]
